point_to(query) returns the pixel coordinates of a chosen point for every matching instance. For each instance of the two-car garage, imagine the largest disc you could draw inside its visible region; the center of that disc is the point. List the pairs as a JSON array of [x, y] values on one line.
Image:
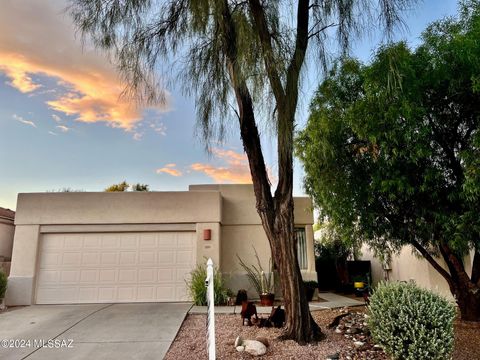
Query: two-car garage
[[114, 267]]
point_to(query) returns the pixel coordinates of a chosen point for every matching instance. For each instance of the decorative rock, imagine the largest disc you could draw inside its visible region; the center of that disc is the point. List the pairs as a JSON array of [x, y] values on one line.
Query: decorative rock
[[358, 344], [335, 356], [263, 340], [238, 341], [353, 330], [253, 347]]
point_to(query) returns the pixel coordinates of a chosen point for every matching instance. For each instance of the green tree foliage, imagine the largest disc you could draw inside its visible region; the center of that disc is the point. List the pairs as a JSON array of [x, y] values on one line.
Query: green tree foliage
[[249, 52], [124, 186], [120, 187], [140, 187], [392, 149]]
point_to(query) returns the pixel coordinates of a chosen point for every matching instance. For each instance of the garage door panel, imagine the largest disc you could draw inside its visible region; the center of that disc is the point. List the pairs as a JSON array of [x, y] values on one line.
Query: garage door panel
[[106, 294], [165, 293], [87, 293], [90, 258], [89, 276], [73, 242], [126, 267], [148, 241], [71, 258], [49, 276], [166, 275], [146, 293], [108, 275], [147, 258], [166, 257], [128, 258], [184, 257], [91, 243], [50, 260], [69, 276], [127, 293], [147, 275]]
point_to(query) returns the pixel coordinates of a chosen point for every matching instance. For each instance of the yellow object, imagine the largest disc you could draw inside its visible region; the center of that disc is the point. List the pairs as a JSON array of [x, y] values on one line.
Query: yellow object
[[358, 284]]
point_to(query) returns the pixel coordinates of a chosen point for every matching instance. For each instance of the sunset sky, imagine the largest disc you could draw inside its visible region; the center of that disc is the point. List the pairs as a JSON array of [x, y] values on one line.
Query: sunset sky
[[62, 124]]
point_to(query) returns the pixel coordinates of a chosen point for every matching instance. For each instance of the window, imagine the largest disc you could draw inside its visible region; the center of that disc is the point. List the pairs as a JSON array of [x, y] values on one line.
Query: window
[[301, 247]]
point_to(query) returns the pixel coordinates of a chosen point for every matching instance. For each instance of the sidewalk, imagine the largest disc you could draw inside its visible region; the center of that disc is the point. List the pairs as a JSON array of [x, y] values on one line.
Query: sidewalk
[[332, 301]]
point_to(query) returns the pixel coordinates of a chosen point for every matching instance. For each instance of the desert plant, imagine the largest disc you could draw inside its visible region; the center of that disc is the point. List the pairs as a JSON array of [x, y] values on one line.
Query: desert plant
[[198, 290], [410, 322], [3, 284], [264, 283]]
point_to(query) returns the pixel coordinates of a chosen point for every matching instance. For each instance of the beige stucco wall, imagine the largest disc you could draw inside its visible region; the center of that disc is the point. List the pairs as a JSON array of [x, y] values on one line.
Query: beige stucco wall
[[7, 229], [118, 208], [106, 212], [407, 266], [227, 210], [239, 204], [242, 230]]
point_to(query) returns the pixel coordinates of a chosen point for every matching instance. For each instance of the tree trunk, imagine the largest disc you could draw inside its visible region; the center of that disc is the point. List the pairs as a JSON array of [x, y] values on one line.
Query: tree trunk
[[300, 325], [468, 300], [276, 212], [465, 289]]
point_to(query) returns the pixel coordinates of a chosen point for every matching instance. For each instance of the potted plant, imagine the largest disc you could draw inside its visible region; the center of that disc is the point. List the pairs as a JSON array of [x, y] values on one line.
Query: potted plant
[[310, 287], [263, 283]]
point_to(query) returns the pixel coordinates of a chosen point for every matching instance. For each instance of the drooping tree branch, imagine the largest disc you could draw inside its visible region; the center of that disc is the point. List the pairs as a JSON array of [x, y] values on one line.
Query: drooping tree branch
[[455, 266], [265, 36], [433, 262], [286, 120], [246, 116]]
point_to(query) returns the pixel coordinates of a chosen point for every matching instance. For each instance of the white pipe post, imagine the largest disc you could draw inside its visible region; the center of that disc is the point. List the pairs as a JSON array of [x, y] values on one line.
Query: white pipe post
[[211, 310]]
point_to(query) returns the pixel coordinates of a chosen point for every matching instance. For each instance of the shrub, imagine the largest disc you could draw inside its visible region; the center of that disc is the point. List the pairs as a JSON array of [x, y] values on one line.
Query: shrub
[[411, 323], [198, 290], [3, 284]]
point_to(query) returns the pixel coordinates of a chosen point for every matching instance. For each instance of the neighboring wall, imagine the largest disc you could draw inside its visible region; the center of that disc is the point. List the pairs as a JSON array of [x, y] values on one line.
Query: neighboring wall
[[408, 266], [7, 230], [242, 230]]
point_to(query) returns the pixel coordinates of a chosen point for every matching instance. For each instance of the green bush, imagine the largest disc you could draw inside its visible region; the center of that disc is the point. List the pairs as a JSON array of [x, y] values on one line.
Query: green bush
[[3, 284], [411, 323], [198, 290]]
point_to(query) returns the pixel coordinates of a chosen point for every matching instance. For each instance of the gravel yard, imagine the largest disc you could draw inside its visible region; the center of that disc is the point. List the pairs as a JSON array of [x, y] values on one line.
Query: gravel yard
[[190, 342]]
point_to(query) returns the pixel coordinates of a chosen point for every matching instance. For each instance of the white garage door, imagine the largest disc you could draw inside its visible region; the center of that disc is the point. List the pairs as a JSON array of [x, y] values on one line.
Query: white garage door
[[114, 267]]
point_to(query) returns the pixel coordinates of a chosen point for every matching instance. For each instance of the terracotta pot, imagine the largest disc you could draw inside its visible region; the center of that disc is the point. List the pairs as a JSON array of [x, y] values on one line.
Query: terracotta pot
[[267, 299]]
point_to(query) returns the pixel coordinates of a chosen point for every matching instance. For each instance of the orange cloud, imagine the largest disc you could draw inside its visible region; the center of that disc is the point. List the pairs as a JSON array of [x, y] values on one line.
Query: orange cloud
[[36, 38], [235, 169], [18, 77], [169, 171]]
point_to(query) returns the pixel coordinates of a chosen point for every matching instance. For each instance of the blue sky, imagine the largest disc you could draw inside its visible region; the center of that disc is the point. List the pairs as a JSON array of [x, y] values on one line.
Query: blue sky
[[62, 124]]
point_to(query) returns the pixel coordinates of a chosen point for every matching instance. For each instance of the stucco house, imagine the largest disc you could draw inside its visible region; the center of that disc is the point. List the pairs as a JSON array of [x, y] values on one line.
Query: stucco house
[[7, 229], [138, 246]]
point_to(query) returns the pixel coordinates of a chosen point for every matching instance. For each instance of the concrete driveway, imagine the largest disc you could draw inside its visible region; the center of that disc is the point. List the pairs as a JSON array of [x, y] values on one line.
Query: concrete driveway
[[94, 331]]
